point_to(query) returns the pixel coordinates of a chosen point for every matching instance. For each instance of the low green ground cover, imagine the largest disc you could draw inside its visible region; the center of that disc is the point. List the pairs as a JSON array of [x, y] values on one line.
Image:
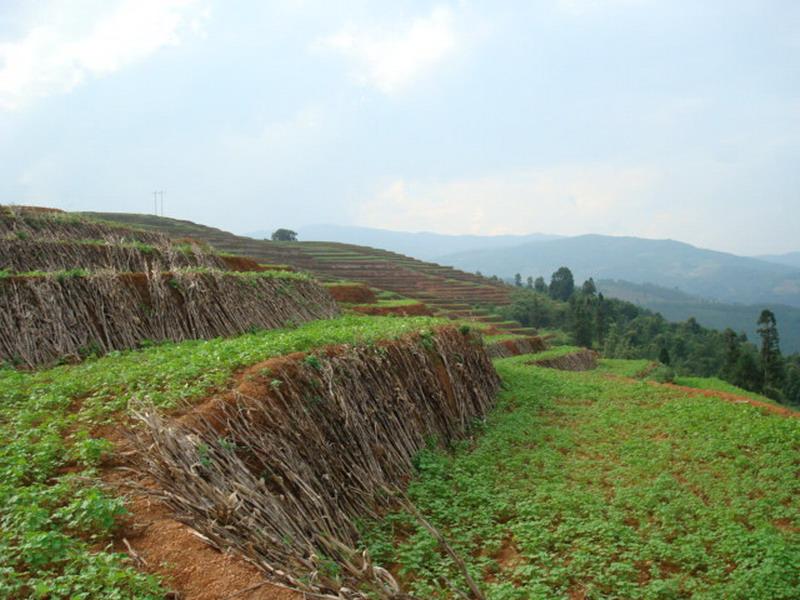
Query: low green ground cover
[[556, 352], [54, 513], [390, 302], [625, 368], [585, 486]]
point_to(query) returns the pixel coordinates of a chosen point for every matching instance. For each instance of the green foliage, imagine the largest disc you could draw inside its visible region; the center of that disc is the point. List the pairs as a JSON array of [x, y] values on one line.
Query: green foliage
[[539, 285], [55, 517], [284, 235], [771, 361], [585, 484], [663, 374], [562, 284]]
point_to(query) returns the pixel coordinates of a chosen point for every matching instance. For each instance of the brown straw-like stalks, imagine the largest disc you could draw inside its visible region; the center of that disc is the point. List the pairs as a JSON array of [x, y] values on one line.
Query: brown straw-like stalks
[[20, 256], [47, 318], [282, 470]]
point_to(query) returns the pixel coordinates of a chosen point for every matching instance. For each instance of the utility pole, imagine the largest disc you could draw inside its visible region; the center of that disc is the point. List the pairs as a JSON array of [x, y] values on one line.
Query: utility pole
[[158, 195]]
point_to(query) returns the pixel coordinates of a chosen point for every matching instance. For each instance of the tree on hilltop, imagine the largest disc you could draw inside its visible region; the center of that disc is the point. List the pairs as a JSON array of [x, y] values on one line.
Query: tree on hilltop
[[284, 235], [540, 285]]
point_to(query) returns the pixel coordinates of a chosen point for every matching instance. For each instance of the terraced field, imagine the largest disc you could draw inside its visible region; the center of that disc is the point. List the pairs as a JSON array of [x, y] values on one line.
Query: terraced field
[[448, 291]]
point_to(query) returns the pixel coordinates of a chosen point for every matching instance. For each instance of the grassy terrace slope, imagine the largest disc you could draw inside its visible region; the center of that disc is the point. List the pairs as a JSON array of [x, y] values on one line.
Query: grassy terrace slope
[[434, 284], [57, 520], [594, 485]]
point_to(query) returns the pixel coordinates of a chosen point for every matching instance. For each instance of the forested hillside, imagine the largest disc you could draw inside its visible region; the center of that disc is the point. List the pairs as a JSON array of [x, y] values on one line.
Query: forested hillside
[[621, 329], [675, 305]]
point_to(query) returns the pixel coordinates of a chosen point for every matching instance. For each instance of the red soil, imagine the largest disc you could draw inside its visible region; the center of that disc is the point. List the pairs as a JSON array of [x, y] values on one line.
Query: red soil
[[160, 544], [241, 263], [355, 293]]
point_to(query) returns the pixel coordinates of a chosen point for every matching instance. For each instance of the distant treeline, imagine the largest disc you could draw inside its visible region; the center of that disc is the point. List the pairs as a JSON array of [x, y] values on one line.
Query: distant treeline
[[621, 329]]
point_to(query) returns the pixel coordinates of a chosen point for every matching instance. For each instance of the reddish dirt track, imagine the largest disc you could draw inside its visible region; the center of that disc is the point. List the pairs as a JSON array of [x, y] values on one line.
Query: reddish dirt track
[[728, 397]]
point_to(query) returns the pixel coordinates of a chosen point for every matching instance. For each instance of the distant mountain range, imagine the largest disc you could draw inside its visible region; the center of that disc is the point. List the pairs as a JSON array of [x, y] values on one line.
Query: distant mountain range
[[676, 279], [423, 245], [790, 259], [675, 305], [667, 263]]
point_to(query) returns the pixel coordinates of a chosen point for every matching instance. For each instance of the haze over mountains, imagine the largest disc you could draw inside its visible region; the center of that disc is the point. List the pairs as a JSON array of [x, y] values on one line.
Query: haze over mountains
[[791, 259], [706, 273], [679, 280], [423, 244]]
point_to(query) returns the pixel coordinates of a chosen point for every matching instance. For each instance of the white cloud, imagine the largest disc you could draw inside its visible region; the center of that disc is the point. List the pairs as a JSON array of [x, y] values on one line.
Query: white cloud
[[390, 59], [564, 199], [79, 41]]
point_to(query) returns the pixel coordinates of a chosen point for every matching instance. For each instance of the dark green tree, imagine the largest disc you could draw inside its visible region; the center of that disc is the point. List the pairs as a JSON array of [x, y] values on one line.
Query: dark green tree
[[562, 284], [602, 319], [284, 235], [581, 318], [518, 280], [772, 366], [589, 288], [732, 353], [529, 283], [539, 285], [748, 374], [663, 356], [792, 388]]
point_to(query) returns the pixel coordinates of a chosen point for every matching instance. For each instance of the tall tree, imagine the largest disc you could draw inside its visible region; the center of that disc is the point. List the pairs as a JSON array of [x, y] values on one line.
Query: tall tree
[[562, 284], [581, 317], [529, 283], [589, 288], [732, 353], [748, 374], [540, 285], [663, 356], [602, 319], [518, 280], [772, 366]]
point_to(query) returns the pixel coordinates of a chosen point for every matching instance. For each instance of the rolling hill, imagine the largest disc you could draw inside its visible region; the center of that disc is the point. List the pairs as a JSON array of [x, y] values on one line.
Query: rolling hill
[[707, 273]]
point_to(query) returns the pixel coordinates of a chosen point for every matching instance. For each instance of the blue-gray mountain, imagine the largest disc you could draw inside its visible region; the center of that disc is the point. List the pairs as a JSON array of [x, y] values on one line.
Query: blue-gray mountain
[[791, 259], [667, 263]]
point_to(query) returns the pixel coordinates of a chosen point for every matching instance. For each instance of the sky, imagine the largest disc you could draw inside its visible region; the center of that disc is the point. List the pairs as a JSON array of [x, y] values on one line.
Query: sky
[[655, 118]]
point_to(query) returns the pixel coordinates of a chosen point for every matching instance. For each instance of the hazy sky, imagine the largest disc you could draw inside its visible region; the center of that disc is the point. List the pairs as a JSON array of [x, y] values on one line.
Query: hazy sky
[[669, 118]]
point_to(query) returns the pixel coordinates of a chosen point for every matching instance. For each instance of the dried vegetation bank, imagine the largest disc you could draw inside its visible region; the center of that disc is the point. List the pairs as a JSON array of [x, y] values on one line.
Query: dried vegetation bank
[[283, 469]]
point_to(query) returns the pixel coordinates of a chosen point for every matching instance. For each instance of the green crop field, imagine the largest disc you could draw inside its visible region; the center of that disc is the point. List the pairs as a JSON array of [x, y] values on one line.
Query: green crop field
[[54, 513], [585, 485]]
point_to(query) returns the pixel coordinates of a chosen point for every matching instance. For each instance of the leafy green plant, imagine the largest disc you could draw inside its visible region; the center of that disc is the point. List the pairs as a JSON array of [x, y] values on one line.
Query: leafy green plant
[[605, 487], [55, 517]]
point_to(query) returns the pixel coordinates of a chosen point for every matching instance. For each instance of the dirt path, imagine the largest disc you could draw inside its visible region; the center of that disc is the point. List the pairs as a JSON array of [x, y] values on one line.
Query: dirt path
[[734, 398]]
